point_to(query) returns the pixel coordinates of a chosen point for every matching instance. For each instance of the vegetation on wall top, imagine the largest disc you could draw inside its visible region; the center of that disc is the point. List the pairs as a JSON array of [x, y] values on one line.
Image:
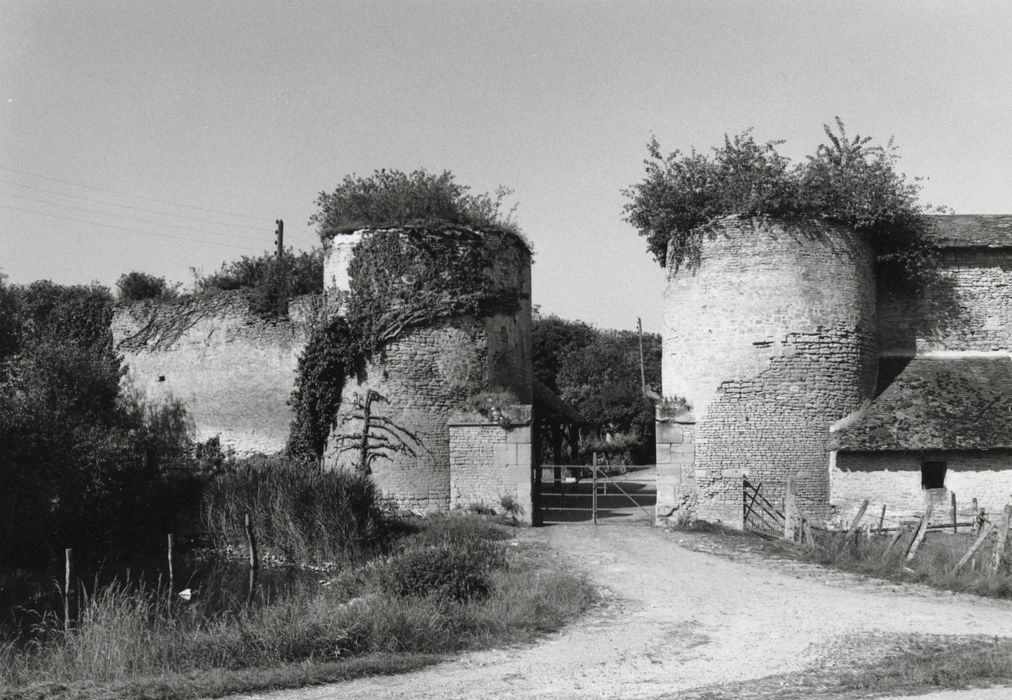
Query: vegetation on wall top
[[392, 198], [850, 181]]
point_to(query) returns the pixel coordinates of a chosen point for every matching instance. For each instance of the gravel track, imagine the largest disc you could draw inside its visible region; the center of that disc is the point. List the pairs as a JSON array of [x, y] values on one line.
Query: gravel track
[[676, 620]]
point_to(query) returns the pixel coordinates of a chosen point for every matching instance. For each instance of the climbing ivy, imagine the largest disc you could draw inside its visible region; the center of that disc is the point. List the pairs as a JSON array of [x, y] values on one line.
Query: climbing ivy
[[400, 278]]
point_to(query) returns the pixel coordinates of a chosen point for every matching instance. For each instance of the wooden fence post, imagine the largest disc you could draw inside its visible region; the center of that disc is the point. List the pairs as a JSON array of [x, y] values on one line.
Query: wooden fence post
[[881, 518], [976, 515], [593, 496], [999, 545], [67, 556], [172, 581], [254, 559], [973, 548], [900, 532], [922, 530], [806, 532], [853, 526], [955, 529]]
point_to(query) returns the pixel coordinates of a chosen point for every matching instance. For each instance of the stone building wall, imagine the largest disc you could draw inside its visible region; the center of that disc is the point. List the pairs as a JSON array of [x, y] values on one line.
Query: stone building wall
[[770, 339], [423, 393], [490, 461], [969, 310], [893, 479], [233, 370]]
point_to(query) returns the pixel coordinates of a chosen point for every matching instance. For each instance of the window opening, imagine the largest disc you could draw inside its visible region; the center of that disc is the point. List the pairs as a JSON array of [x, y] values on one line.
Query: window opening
[[933, 475]]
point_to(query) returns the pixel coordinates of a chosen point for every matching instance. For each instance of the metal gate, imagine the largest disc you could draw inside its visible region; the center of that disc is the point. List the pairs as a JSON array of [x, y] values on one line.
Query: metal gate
[[595, 494]]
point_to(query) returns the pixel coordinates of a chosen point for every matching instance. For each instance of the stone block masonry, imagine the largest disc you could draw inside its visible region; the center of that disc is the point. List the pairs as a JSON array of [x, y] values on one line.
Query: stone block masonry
[[490, 462], [770, 338]]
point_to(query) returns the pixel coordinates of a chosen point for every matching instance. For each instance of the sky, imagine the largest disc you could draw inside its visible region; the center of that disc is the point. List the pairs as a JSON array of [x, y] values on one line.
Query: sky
[[163, 136]]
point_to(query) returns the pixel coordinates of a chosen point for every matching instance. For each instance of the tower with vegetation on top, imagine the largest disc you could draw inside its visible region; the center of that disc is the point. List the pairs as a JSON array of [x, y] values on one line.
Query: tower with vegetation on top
[[428, 318]]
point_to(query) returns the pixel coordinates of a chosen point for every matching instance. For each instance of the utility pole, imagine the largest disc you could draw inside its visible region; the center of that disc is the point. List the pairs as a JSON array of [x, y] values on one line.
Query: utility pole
[[643, 372], [279, 240]]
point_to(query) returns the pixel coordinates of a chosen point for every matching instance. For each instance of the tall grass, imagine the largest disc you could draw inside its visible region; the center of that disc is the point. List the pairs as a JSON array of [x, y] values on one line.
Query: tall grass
[[131, 637], [933, 563], [299, 514]]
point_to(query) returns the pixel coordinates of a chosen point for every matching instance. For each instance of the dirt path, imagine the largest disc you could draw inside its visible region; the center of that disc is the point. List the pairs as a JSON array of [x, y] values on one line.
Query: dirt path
[[675, 619]]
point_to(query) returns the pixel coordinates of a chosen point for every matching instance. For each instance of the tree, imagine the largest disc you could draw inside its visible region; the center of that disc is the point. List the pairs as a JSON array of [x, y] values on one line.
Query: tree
[[552, 339], [83, 463], [598, 373]]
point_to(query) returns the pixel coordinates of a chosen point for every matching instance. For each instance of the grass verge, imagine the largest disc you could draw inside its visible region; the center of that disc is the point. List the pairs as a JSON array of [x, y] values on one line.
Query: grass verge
[[385, 615], [910, 665], [932, 565]]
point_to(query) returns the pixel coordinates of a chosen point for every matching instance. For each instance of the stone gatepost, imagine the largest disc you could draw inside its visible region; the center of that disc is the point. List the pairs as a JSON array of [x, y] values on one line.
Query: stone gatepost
[[490, 461], [676, 454]]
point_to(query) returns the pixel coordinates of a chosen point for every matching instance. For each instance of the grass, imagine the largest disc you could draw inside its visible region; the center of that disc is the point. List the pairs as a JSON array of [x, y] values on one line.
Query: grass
[[932, 565], [911, 664], [129, 643], [298, 513]]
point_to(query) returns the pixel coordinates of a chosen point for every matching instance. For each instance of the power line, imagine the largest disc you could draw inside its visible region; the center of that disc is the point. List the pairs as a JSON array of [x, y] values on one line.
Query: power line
[[132, 230], [126, 206], [302, 237], [137, 196], [119, 216]]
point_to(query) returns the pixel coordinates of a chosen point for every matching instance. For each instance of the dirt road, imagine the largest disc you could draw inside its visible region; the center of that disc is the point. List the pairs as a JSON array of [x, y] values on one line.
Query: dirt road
[[676, 619]]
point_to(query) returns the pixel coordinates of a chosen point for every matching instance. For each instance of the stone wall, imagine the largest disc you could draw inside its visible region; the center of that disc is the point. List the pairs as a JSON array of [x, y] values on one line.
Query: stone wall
[[894, 479], [969, 309], [490, 461], [233, 370], [770, 339]]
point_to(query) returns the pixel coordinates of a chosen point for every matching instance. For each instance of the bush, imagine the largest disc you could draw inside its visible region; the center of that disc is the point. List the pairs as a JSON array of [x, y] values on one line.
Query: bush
[[848, 181], [299, 513], [138, 286], [395, 198], [449, 570], [266, 279]]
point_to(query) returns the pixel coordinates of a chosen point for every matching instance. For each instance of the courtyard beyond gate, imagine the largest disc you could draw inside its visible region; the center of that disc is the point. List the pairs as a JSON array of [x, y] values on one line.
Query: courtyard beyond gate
[[625, 495]]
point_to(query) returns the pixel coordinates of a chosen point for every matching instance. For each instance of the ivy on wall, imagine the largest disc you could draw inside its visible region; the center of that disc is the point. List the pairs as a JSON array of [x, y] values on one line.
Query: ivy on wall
[[400, 279]]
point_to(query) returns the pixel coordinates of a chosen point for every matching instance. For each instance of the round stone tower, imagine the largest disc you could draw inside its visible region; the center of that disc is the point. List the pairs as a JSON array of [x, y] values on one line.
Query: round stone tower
[[428, 372], [770, 339]]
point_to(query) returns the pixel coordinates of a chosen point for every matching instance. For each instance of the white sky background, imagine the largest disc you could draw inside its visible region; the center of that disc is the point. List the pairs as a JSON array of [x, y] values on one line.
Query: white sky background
[[254, 107]]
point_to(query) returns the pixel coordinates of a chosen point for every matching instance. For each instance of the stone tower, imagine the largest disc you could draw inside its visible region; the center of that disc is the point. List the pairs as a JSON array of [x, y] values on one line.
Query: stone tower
[[418, 371], [770, 339]]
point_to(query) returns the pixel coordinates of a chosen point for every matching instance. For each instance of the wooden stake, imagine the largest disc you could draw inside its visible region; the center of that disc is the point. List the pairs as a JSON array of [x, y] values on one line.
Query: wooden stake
[[593, 497], [955, 530], [976, 517], [172, 581], [806, 532], [900, 532], [973, 548], [853, 525], [67, 556], [922, 530], [999, 545], [881, 518], [254, 560]]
